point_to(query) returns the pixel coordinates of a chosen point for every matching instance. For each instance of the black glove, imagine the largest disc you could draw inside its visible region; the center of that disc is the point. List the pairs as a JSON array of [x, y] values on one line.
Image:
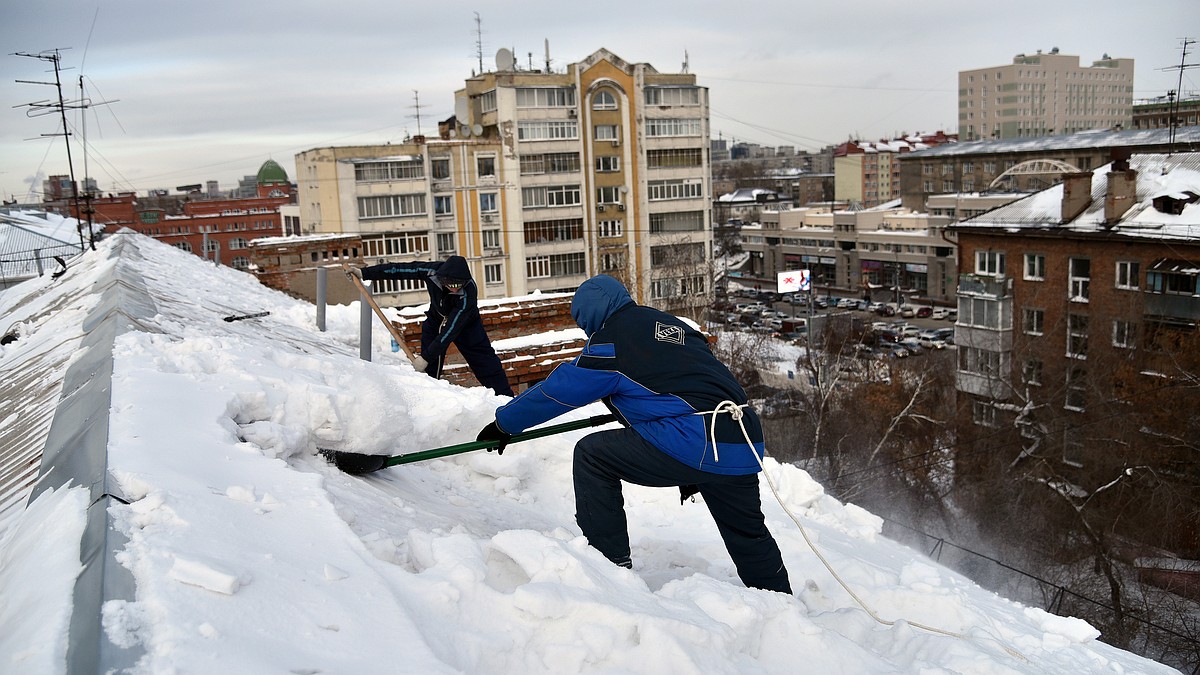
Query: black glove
[[493, 432]]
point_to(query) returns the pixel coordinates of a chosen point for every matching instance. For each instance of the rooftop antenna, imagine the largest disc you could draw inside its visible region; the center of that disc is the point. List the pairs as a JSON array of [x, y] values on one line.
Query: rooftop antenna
[[547, 42], [48, 107], [417, 106], [1175, 96], [685, 61], [479, 41]]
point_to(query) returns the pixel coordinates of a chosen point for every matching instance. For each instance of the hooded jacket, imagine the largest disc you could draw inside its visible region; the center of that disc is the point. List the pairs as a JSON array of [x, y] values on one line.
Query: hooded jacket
[[451, 312], [655, 372]]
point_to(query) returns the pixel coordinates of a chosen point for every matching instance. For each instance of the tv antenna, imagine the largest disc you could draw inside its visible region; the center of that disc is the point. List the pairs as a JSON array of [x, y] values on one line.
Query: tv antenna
[[1174, 97], [60, 106], [417, 106], [479, 41]]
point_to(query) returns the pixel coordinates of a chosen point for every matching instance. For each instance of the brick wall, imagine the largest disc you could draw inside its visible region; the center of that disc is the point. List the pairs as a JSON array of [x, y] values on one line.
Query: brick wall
[[525, 365]]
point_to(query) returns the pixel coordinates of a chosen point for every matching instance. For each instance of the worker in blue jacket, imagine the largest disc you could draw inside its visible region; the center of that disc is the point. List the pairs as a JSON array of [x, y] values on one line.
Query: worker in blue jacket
[[452, 318], [686, 424]]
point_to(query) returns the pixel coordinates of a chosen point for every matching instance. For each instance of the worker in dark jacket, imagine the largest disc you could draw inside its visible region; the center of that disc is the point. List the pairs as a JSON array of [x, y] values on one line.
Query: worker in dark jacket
[[686, 424], [452, 318]]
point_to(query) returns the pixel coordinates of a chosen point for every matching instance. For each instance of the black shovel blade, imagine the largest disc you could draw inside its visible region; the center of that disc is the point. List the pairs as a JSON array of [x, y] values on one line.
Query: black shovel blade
[[354, 462]]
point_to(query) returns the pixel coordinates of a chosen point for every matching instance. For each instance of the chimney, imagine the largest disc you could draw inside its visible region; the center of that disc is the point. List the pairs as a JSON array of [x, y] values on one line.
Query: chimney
[[1122, 187], [1077, 194]]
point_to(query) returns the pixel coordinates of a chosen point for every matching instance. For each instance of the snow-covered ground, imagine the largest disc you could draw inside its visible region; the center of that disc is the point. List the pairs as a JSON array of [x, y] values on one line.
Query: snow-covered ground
[[251, 554]]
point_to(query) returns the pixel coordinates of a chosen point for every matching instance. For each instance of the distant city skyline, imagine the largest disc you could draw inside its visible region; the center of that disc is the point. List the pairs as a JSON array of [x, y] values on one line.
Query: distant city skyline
[[216, 89]]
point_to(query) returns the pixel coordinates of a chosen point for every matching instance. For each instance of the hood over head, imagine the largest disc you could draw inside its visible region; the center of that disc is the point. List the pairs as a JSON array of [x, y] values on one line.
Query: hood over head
[[596, 300], [455, 267]]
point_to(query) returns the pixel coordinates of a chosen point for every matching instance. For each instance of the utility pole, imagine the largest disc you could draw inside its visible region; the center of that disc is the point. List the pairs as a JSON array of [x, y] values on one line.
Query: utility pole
[[1176, 96]]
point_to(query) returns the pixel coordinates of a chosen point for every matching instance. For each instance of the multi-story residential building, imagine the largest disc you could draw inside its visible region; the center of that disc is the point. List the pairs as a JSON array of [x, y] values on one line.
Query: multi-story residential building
[[1044, 95], [541, 179], [1023, 164], [867, 173], [1068, 296]]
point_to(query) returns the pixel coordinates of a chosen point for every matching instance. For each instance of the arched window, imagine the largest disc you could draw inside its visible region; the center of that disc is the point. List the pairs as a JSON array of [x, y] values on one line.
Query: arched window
[[240, 263], [604, 100]]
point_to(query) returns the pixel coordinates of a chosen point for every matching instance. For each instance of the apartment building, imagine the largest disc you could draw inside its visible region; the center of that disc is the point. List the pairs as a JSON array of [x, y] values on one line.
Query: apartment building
[[540, 179], [1044, 95], [867, 173], [1070, 296]]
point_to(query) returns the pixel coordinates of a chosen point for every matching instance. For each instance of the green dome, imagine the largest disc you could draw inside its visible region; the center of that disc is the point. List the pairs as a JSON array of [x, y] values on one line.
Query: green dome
[[271, 173]]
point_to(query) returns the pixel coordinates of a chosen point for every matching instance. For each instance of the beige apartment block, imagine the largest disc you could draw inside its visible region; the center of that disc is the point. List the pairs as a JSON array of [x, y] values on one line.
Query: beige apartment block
[[541, 179], [1044, 95]]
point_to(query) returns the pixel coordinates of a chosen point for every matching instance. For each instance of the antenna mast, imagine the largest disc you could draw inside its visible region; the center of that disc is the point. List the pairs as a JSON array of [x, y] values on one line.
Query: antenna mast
[[1177, 95], [417, 107], [479, 41]]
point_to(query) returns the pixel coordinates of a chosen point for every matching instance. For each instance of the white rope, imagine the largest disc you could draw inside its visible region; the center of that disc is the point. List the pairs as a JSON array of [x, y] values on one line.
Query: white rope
[[736, 413]]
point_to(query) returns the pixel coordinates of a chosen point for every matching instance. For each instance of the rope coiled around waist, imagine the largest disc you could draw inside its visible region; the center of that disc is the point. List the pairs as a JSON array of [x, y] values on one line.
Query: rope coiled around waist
[[736, 412]]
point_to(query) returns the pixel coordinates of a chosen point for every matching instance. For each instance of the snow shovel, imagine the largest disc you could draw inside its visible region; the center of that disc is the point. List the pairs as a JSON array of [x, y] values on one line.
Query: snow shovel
[[356, 463], [397, 337]]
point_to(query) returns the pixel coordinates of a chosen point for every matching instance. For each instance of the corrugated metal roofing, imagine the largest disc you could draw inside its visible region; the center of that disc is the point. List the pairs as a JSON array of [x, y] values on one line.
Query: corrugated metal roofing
[[1184, 136]]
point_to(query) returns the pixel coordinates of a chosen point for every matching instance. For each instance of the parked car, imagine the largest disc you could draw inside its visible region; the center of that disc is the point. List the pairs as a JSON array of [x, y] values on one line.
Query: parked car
[[930, 342], [907, 312], [912, 345], [885, 310], [924, 312], [946, 335], [939, 313]]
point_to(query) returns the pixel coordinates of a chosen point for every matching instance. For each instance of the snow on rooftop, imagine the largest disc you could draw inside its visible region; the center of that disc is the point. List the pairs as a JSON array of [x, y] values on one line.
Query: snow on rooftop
[[227, 545]]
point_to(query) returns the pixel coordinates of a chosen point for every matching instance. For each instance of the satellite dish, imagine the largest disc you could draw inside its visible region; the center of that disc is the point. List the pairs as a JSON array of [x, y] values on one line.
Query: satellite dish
[[452, 133], [477, 129], [464, 131], [460, 109], [504, 60]]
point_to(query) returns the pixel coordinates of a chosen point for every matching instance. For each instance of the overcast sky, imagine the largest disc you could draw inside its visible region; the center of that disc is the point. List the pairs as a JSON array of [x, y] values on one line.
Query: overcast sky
[[210, 90]]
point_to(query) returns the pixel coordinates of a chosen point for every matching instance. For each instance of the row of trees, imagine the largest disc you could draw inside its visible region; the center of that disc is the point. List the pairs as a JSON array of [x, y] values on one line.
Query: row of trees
[[1083, 489]]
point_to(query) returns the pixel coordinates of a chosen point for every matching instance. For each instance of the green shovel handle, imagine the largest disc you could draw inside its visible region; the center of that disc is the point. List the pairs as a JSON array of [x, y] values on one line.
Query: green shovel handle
[[594, 421]]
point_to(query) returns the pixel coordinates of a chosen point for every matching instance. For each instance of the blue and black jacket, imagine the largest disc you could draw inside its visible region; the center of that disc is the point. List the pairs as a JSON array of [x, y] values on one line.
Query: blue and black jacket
[[655, 372], [451, 312]]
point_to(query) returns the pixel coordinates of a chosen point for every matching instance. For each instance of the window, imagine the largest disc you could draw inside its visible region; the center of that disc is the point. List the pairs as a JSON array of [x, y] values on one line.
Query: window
[[491, 239], [548, 231], [493, 273], [1035, 266], [485, 166], [604, 100], [184, 246], [607, 132], [1034, 320], [487, 101], [1171, 283], [439, 168], [672, 127], [672, 95], [487, 202], [672, 158], [1031, 373], [686, 188], [1079, 277], [610, 228], [553, 162], [545, 97], [391, 206], [237, 243], [389, 170], [443, 205], [445, 244], [608, 195], [1124, 334], [983, 413], [1076, 388], [676, 221], [396, 285], [979, 361], [1077, 336], [611, 262], [550, 196], [677, 254], [608, 164], [983, 313], [989, 262], [545, 266], [240, 263], [547, 130], [396, 244]]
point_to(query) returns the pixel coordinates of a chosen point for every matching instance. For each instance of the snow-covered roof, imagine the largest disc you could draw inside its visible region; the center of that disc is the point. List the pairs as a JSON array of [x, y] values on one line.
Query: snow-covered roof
[[182, 520], [1084, 140], [1158, 175], [746, 196]]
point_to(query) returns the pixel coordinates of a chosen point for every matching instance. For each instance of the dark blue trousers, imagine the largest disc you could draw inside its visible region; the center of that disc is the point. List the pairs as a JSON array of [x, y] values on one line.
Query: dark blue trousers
[[473, 343], [605, 458]]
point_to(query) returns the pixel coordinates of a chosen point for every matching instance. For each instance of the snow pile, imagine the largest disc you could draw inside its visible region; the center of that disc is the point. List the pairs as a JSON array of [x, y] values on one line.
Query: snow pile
[[252, 554]]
